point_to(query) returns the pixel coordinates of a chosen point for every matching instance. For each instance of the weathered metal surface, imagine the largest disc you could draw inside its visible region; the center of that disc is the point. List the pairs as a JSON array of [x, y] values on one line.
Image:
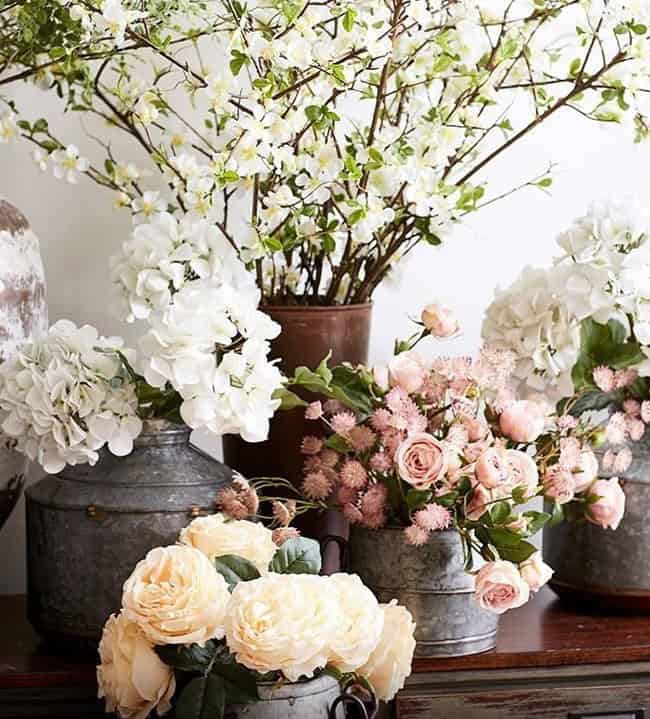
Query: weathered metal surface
[[88, 526], [432, 583], [23, 315], [608, 568], [311, 699]]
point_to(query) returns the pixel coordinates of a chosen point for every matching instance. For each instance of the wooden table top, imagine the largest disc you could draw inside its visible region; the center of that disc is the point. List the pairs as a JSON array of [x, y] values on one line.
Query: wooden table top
[[543, 633]]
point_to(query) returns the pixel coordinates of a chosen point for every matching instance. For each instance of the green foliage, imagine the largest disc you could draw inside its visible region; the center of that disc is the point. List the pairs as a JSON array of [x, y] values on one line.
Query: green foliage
[[299, 555], [235, 569]]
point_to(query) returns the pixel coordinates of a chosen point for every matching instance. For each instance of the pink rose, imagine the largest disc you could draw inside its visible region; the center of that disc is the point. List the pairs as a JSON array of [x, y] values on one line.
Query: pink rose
[[499, 587], [587, 470], [421, 460], [380, 375], [535, 572], [407, 371], [439, 320], [492, 467], [479, 502], [477, 429], [522, 472], [523, 421], [559, 485], [607, 511]]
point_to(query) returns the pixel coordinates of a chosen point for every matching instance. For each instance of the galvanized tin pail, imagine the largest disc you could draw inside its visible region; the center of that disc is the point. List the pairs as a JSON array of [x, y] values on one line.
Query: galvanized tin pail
[[303, 700], [88, 527], [430, 581], [607, 568]]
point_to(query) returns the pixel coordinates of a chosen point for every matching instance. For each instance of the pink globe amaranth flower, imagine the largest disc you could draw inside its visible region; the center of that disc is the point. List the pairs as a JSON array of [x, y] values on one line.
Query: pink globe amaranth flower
[[332, 406], [312, 463], [492, 467], [416, 536], [566, 423], [479, 502], [373, 520], [632, 408], [353, 474], [645, 411], [522, 421], [362, 438], [311, 445], [353, 514], [282, 534], [284, 512], [522, 472], [316, 486], [381, 419], [381, 462], [346, 495], [433, 518], [391, 439], [559, 485], [608, 510], [616, 430], [585, 471], [229, 502], [624, 378], [440, 320], [407, 372], [623, 461], [499, 587], [635, 428], [373, 501], [421, 460], [604, 379], [314, 410], [343, 422], [329, 457]]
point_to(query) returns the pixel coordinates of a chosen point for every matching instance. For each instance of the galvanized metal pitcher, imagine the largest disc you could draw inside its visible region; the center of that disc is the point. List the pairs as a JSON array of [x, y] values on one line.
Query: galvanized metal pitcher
[[603, 567], [88, 526], [430, 581]]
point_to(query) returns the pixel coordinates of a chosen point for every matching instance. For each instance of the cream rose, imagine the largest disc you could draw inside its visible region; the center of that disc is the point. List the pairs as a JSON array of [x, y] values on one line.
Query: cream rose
[[535, 572], [421, 460], [360, 626], [216, 537], [176, 596], [283, 622], [499, 587], [587, 470], [390, 662], [608, 510], [440, 320], [131, 676]]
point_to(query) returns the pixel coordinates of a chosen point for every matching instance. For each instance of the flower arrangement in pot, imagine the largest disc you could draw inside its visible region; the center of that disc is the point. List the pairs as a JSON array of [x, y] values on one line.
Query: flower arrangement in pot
[[324, 141], [579, 333], [226, 623], [433, 461]]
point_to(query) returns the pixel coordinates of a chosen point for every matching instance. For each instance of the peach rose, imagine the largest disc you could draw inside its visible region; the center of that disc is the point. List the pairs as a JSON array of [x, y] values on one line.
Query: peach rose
[[559, 485], [407, 371], [523, 421], [131, 676], [440, 320], [522, 472], [499, 586], [608, 510], [421, 460], [390, 662], [492, 467], [587, 471], [535, 572], [176, 596]]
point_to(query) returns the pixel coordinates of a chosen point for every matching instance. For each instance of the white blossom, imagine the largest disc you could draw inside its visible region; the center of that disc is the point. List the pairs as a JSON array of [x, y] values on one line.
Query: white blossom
[[8, 127], [68, 164]]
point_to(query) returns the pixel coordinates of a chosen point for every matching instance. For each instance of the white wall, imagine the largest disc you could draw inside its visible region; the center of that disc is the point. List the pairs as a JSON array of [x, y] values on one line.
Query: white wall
[[79, 229]]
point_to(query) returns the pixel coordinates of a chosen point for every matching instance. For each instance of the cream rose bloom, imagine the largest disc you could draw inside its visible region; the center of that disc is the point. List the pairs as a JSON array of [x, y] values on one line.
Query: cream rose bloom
[[360, 626], [535, 572], [216, 537], [283, 622], [131, 676], [176, 596], [389, 663]]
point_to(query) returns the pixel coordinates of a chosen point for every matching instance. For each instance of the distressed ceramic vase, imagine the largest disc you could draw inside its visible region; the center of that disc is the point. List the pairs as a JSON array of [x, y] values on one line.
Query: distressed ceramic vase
[[23, 316]]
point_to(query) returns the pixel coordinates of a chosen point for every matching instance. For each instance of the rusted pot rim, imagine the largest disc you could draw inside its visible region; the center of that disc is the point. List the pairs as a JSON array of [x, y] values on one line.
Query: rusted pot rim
[[328, 309]]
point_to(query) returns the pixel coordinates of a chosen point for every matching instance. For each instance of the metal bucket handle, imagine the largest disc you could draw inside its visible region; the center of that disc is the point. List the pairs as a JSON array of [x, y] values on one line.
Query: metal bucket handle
[[346, 697]]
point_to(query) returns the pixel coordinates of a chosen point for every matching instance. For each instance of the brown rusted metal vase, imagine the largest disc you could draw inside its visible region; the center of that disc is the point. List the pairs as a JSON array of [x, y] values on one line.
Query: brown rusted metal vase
[[308, 334]]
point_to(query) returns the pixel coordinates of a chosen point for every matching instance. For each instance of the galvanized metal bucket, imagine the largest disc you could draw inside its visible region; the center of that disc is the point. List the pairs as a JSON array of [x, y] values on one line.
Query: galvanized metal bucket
[[314, 699], [606, 568], [430, 581], [88, 527]]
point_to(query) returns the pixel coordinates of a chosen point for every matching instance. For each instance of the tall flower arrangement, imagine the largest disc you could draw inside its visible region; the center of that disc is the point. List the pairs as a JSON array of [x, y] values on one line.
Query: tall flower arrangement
[[204, 621], [336, 136], [431, 444]]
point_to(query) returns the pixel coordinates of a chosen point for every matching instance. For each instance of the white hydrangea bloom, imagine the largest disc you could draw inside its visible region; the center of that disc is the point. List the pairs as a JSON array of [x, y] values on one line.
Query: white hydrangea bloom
[[67, 395]]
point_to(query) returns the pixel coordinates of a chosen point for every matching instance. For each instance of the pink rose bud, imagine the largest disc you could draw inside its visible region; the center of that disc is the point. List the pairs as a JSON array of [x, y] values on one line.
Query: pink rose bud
[[499, 586], [421, 460], [535, 572], [406, 371], [522, 421], [440, 321], [607, 511]]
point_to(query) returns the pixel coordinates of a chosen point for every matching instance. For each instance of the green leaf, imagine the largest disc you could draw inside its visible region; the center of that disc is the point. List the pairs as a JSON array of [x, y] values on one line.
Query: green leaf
[[235, 569], [349, 18], [536, 521], [503, 537], [288, 399], [240, 682], [202, 698], [338, 444], [557, 516], [594, 400], [416, 498], [500, 512], [517, 553], [188, 658], [519, 494], [297, 556]]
